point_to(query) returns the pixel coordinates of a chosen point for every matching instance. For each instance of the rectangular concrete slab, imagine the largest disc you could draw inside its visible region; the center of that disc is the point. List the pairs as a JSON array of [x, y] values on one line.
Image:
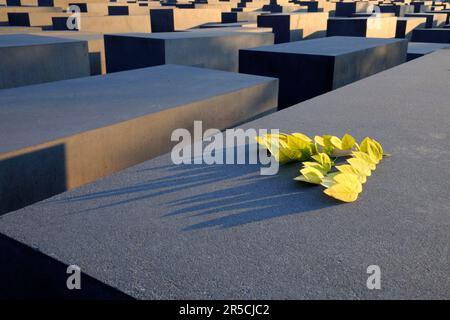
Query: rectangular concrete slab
[[294, 26], [163, 231], [436, 35], [214, 50], [405, 26], [312, 67], [169, 20], [30, 59], [58, 136], [96, 47], [419, 49], [376, 27], [433, 20]]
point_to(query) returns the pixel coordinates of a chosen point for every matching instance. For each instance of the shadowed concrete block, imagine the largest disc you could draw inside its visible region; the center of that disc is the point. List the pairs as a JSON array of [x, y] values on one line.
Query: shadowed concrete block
[[445, 13], [398, 10], [214, 50], [419, 49], [313, 67], [347, 9], [295, 26], [433, 20], [96, 47], [435, 35], [201, 231], [313, 6], [274, 8], [405, 26], [245, 29], [108, 24], [168, 20], [28, 59], [5, 10], [375, 27], [34, 19], [248, 16], [92, 127]]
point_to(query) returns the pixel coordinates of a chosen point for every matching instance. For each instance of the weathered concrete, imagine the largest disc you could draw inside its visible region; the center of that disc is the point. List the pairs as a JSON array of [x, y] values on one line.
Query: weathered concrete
[[58, 136], [28, 59], [406, 25], [162, 231], [374, 27], [214, 50], [295, 26], [96, 47], [436, 35], [419, 49], [313, 67]]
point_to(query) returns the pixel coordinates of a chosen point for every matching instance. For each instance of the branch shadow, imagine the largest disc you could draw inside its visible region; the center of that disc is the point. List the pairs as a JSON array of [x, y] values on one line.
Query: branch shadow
[[219, 195]]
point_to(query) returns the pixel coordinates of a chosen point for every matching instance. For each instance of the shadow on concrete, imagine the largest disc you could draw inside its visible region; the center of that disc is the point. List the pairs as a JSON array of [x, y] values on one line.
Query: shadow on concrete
[[28, 274], [239, 194], [31, 177]]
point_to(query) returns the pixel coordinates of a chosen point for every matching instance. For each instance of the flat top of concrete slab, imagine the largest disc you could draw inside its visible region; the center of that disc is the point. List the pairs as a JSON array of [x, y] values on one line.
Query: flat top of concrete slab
[[159, 230], [411, 18], [425, 47], [329, 46], [295, 13], [17, 40], [72, 35], [199, 33], [433, 29], [359, 18], [36, 114]]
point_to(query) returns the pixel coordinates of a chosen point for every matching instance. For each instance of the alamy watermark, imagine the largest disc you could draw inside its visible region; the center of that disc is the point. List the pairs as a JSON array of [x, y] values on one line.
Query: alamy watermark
[[234, 146]]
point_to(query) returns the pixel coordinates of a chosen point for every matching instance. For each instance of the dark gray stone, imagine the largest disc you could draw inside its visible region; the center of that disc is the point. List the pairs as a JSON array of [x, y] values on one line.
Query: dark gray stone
[[58, 136], [312, 67], [436, 35], [30, 59], [214, 50]]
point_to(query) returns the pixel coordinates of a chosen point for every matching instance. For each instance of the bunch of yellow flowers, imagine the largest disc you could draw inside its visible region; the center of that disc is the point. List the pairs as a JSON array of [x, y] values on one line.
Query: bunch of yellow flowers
[[346, 182]]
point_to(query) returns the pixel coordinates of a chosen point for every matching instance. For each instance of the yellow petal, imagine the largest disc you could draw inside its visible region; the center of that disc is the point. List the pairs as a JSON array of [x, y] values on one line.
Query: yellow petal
[[310, 175], [371, 160], [342, 191], [360, 165], [346, 168]]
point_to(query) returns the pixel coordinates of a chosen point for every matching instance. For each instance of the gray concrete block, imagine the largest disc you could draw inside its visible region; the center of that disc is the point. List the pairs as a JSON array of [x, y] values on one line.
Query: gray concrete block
[[169, 20], [436, 35], [433, 20], [58, 136], [419, 49], [294, 26], [313, 67], [214, 50], [347, 9], [375, 27], [406, 25], [96, 47], [246, 16], [162, 231], [29, 59]]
